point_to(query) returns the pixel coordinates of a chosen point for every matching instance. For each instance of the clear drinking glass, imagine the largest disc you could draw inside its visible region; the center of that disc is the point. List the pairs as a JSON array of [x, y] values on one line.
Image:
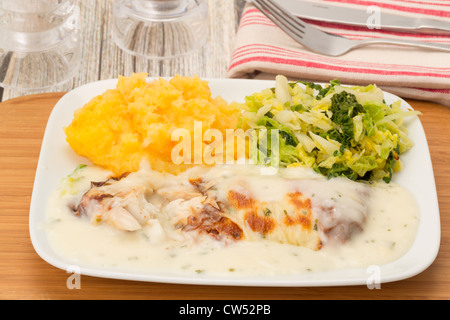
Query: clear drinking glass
[[39, 43], [160, 29]]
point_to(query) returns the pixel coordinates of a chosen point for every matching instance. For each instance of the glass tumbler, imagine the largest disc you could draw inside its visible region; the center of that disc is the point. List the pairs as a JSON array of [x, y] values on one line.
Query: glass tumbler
[[160, 29], [39, 43]]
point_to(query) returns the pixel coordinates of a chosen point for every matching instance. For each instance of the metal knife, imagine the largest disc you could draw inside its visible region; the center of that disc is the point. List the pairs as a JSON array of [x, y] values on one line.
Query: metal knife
[[361, 17]]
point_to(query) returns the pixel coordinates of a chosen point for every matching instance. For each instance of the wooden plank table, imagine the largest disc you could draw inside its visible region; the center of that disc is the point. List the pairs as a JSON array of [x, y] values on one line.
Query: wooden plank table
[[24, 275], [102, 59]]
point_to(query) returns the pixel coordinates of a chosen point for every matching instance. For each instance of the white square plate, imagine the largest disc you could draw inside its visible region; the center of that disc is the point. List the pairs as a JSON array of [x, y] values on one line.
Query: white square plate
[[57, 160]]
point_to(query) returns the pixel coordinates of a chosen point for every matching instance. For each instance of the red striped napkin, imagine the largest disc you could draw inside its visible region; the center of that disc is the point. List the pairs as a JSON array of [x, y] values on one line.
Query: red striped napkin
[[262, 50]]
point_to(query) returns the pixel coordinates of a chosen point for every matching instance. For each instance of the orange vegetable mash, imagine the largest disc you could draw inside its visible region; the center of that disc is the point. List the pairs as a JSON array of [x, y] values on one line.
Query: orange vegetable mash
[[135, 121]]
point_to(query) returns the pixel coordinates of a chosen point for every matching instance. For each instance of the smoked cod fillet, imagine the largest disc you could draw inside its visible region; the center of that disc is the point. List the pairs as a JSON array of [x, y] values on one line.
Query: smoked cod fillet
[[232, 203]]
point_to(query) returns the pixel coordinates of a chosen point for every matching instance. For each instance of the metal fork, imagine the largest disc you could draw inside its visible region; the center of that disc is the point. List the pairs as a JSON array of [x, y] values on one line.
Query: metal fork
[[322, 42]]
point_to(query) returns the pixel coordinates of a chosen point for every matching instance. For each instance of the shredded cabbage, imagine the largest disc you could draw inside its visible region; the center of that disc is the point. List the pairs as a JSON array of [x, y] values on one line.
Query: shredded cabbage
[[336, 130]]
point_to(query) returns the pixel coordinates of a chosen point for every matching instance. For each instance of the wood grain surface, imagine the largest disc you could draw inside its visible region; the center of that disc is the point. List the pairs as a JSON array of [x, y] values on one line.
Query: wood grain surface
[[102, 59], [24, 275]]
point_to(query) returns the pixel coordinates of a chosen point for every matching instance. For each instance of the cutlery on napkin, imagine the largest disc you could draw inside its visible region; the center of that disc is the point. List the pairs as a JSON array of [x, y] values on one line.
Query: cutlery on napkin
[[370, 15], [262, 50]]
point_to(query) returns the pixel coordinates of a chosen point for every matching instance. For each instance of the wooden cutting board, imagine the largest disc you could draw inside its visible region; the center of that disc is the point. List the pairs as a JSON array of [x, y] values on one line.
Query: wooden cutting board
[[24, 275]]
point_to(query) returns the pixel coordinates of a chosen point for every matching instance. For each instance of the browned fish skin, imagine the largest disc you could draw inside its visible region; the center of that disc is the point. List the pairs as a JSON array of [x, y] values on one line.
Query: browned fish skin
[[210, 220], [240, 201], [225, 210]]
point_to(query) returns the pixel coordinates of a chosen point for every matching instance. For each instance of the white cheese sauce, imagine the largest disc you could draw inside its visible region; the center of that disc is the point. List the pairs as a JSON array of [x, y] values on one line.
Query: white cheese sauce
[[388, 234]]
